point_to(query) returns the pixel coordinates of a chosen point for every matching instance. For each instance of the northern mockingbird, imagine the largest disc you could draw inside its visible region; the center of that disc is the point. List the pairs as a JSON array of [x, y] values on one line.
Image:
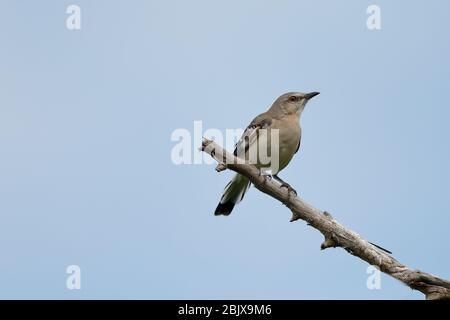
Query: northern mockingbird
[[284, 117]]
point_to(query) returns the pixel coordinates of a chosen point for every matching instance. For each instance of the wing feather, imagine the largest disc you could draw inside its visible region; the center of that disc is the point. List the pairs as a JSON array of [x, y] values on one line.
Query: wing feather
[[251, 133]]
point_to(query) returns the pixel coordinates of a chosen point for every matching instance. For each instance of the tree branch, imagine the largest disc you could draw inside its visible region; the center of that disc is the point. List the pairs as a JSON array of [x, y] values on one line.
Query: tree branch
[[336, 235]]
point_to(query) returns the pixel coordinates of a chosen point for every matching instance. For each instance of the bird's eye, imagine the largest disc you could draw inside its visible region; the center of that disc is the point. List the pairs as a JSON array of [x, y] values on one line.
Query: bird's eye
[[293, 98]]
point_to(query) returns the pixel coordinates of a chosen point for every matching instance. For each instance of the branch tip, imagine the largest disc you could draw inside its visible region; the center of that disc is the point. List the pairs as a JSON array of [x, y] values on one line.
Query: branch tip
[[205, 143], [221, 167]]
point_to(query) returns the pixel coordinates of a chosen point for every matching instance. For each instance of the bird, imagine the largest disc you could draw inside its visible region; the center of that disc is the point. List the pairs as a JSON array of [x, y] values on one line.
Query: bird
[[283, 116]]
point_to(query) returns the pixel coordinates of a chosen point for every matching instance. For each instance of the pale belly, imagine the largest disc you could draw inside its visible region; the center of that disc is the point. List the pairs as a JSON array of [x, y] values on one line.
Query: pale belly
[[275, 157], [288, 146]]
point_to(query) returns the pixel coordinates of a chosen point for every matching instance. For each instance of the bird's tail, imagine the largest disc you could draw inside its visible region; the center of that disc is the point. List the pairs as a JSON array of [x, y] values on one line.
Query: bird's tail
[[233, 194]]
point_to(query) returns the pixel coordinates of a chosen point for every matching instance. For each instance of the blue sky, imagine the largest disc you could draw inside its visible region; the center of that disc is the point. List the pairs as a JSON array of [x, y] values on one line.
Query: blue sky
[[86, 117]]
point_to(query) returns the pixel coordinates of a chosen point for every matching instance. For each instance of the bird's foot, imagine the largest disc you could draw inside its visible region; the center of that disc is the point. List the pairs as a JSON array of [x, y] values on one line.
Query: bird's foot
[[288, 187], [266, 174], [267, 178]]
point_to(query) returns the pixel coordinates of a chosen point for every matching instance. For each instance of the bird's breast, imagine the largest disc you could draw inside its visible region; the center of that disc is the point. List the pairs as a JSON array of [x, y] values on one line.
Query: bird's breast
[[289, 140], [276, 150]]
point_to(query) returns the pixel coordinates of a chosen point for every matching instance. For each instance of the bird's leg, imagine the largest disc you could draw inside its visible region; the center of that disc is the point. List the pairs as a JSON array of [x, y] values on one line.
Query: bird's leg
[[265, 173], [284, 184]]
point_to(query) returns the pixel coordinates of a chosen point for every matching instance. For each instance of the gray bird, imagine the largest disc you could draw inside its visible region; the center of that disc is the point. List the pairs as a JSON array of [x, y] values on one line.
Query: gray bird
[[284, 115]]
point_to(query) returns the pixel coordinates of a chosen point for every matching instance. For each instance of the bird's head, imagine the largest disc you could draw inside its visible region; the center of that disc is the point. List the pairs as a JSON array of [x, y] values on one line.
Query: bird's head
[[293, 102]]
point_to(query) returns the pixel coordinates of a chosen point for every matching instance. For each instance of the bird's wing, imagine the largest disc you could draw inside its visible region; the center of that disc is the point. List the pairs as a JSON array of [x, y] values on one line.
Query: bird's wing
[[298, 147], [251, 133], [299, 141]]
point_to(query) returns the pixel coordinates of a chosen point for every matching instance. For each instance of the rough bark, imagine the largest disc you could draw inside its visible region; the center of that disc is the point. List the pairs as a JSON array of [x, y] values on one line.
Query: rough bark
[[336, 235]]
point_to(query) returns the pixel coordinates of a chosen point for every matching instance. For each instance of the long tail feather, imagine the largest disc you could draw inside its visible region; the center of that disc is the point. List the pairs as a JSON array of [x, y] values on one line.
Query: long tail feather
[[233, 194]]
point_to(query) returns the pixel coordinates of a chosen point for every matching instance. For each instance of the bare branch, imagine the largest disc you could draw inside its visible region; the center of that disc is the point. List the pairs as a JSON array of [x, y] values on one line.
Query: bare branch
[[336, 235]]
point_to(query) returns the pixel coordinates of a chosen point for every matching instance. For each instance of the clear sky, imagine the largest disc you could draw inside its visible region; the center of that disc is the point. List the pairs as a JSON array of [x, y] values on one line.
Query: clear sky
[[86, 116]]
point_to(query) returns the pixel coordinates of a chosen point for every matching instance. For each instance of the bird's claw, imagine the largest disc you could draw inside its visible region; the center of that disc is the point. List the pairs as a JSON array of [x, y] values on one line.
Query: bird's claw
[[266, 175], [288, 187], [267, 178]]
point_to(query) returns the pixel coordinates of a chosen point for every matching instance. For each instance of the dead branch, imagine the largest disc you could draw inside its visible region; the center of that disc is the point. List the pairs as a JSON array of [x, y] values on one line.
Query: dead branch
[[336, 235]]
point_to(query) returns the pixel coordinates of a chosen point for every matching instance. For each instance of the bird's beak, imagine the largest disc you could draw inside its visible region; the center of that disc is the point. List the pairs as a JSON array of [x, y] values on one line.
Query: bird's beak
[[311, 95]]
